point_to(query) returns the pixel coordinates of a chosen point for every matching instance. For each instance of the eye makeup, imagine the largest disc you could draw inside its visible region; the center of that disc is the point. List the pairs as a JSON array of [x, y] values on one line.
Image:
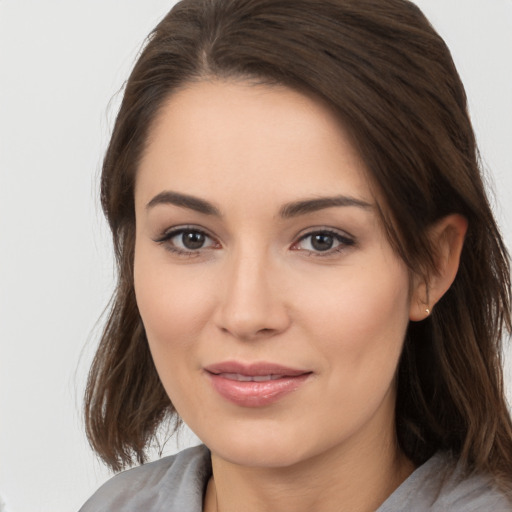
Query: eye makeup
[[192, 241]]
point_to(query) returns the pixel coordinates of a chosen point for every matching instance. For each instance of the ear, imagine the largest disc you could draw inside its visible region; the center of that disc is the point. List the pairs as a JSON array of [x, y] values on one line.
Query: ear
[[447, 238]]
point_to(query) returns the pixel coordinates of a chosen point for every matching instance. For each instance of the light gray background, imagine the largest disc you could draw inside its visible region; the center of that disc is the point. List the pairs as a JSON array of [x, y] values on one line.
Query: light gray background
[[61, 62]]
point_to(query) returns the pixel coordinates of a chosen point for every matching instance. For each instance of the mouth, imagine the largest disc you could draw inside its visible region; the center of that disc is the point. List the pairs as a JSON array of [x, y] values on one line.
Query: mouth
[[256, 384], [249, 378], [258, 369]]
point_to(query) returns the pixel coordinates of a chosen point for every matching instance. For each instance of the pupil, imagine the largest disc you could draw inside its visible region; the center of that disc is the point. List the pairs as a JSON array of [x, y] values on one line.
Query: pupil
[[322, 242], [193, 240]]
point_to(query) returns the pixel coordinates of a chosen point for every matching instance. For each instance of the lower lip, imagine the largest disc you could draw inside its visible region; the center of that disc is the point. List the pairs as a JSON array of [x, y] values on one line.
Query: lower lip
[[256, 394]]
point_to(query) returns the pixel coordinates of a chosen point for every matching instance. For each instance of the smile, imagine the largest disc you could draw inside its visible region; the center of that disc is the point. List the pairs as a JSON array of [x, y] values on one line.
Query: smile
[[255, 385], [249, 378]]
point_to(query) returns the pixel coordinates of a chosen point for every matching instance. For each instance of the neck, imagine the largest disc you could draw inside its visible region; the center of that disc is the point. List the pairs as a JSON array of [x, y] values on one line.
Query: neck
[[358, 479]]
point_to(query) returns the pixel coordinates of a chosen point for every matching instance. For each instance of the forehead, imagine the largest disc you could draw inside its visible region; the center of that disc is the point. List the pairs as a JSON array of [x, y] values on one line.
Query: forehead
[[218, 137]]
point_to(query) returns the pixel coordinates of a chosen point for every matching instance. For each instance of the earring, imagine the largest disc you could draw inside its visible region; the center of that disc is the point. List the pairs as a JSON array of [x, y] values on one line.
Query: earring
[[427, 311]]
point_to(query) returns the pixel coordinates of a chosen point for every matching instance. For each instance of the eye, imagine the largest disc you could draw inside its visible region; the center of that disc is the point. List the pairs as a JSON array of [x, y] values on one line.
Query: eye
[[324, 241], [191, 240], [186, 240]]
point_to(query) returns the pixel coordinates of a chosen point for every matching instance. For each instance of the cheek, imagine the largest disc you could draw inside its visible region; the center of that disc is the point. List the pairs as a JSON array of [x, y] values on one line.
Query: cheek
[[173, 302], [358, 327], [174, 306], [359, 319]]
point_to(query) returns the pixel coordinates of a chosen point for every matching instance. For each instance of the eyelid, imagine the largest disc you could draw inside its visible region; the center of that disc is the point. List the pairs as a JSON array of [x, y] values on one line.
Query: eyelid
[[173, 230], [169, 233], [346, 240], [324, 229]]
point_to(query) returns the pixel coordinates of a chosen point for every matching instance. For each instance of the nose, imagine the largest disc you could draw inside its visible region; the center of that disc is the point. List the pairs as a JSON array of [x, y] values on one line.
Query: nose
[[252, 304]]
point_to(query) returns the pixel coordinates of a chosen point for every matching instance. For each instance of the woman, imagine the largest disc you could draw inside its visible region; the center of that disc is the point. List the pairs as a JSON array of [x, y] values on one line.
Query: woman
[[310, 275]]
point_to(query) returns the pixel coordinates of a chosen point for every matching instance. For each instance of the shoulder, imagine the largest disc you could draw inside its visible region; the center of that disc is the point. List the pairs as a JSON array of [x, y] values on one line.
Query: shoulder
[[174, 483], [440, 485], [472, 493]]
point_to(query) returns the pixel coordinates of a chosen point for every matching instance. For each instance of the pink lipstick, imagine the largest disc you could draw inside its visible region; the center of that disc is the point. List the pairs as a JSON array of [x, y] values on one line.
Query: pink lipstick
[[256, 384]]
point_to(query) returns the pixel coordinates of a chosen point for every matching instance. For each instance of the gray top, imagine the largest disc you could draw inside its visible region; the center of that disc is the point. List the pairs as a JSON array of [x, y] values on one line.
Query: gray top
[[177, 484]]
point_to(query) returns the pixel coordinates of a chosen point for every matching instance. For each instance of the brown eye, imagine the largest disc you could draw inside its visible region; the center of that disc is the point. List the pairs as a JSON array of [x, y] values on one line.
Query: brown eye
[[322, 242], [187, 241], [193, 240]]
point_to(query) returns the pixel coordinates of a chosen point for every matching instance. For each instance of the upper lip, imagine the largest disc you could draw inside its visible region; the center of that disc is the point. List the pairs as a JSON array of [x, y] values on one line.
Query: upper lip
[[254, 369]]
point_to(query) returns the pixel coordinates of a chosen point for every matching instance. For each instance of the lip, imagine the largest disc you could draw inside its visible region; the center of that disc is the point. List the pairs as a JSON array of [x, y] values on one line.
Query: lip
[[256, 384]]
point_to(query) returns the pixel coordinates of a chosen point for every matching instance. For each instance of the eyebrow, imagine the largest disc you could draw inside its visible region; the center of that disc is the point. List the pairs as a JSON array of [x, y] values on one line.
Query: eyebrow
[[298, 208], [184, 201], [289, 210]]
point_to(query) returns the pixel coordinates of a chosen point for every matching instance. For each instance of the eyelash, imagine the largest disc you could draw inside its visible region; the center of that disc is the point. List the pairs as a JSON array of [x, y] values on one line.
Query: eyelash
[[345, 241], [166, 238]]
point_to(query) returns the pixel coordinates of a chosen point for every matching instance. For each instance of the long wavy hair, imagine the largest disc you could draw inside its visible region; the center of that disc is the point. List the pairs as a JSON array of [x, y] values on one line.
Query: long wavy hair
[[390, 77]]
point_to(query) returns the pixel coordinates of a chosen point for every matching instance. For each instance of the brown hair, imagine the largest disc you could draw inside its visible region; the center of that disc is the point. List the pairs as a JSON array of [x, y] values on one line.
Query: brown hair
[[391, 78]]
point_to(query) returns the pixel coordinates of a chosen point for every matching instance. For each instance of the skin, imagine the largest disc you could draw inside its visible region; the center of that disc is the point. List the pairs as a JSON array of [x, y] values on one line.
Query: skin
[[258, 290]]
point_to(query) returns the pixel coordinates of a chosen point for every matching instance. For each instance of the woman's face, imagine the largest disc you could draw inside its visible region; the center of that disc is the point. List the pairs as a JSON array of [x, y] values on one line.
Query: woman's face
[[274, 306]]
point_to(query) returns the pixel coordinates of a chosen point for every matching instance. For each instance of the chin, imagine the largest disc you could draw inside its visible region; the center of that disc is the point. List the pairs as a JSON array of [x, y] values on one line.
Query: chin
[[260, 447], [259, 455]]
